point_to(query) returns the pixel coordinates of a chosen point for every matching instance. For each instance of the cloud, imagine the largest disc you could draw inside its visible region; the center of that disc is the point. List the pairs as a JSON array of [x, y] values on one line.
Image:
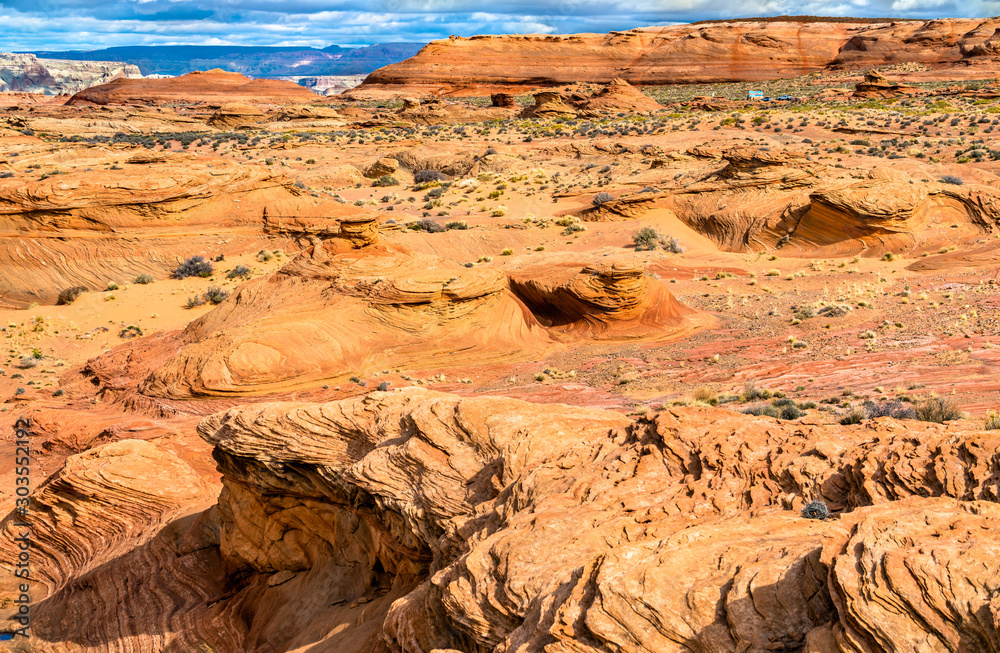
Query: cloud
[[91, 24]]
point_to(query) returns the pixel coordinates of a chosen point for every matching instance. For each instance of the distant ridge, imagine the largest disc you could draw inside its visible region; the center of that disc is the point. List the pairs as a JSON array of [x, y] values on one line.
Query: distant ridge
[[253, 61], [809, 19]]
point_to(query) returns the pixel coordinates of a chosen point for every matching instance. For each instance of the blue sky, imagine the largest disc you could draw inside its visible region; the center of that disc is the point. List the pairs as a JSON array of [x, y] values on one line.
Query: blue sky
[[90, 24]]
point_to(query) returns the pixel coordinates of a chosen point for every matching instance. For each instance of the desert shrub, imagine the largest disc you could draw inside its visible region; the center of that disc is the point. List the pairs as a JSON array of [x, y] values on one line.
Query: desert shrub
[[216, 295], [507, 251], [69, 295], [458, 224], [791, 411], [765, 410], [6, 175], [805, 312], [706, 395], [952, 179], [854, 416], [428, 225], [895, 409], [27, 362], [130, 331], [196, 266], [835, 310], [424, 176], [671, 244], [386, 180], [434, 193], [195, 301], [144, 279], [816, 510], [264, 256], [112, 286], [238, 272], [938, 409], [751, 392], [992, 421], [601, 198], [383, 386], [645, 239]]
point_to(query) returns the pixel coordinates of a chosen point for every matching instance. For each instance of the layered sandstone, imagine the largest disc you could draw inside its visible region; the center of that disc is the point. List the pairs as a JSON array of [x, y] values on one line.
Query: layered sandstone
[[338, 311], [27, 73], [419, 521], [80, 225], [211, 87], [695, 53]]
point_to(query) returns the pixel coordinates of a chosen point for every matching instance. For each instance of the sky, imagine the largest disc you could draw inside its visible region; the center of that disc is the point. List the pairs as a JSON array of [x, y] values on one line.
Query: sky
[[27, 25]]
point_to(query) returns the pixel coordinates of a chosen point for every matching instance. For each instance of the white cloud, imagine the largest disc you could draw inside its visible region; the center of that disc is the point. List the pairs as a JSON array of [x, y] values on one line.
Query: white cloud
[[89, 24]]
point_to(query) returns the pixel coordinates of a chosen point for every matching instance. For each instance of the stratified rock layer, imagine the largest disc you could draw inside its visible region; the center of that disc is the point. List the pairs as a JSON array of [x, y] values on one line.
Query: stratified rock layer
[[416, 521], [336, 312], [213, 86], [695, 53], [27, 73]]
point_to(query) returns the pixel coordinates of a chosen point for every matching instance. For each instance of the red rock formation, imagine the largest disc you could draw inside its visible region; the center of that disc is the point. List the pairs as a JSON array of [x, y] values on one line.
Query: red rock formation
[[336, 312], [95, 214], [419, 521], [608, 301], [213, 87], [713, 52]]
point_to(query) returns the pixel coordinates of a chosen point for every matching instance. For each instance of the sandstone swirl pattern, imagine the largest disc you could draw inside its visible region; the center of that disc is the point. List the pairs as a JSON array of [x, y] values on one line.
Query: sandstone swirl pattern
[[416, 521]]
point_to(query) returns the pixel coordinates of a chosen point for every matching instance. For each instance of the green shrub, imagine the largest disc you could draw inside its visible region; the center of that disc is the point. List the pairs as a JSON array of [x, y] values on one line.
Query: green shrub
[[196, 266], [216, 295], [938, 409], [238, 272], [69, 295], [386, 180], [144, 279], [645, 239]]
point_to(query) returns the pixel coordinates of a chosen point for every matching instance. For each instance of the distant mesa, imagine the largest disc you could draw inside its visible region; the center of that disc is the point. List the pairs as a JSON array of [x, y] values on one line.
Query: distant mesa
[[27, 73], [741, 50], [211, 87]]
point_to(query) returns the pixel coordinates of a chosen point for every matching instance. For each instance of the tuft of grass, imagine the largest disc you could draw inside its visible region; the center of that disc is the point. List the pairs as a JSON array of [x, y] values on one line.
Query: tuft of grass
[[992, 421], [938, 410], [854, 416]]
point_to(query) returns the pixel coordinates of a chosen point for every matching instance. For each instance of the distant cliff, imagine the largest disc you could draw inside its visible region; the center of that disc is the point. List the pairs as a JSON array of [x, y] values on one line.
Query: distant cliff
[[252, 61], [746, 50], [26, 72]]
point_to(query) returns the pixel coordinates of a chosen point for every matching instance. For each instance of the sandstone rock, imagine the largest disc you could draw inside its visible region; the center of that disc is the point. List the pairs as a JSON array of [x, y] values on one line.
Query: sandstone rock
[[695, 53], [418, 521], [91, 212], [384, 166], [619, 96], [549, 104], [235, 116], [213, 86], [876, 85], [27, 73], [502, 100], [131, 491], [361, 231], [336, 312], [438, 112], [605, 301]]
